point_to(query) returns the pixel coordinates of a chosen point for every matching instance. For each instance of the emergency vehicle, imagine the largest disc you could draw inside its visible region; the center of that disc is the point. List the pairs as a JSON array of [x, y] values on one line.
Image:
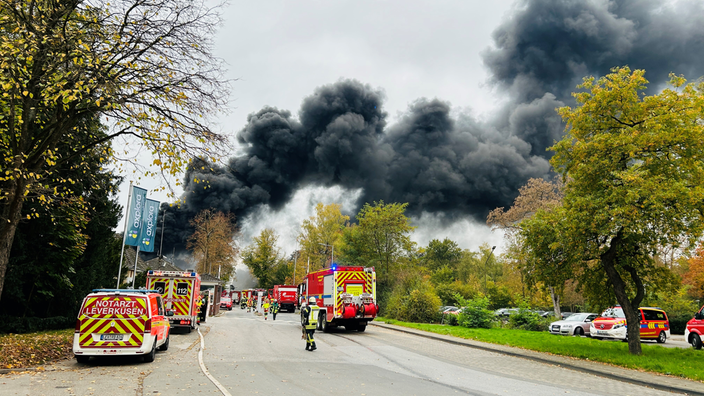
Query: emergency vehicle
[[346, 296], [654, 324], [121, 322], [180, 291], [286, 297], [695, 330]]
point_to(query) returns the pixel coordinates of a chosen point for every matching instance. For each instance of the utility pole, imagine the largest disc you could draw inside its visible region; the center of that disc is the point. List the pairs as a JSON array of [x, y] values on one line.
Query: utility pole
[[485, 263]]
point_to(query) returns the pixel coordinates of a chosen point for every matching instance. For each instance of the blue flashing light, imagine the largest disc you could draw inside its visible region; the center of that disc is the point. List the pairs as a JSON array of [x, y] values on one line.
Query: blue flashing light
[[334, 266]]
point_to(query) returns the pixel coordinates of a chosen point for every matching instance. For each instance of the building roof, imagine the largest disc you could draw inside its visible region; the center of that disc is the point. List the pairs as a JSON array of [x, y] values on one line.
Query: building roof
[[162, 263], [128, 260], [207, 278]]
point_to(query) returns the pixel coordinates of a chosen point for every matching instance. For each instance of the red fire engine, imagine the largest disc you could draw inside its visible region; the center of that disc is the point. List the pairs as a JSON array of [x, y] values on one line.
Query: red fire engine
[[346, 296], [286, 297]]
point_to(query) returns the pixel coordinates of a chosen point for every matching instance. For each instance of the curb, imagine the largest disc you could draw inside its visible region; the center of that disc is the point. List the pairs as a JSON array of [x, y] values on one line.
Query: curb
[[546, 359]]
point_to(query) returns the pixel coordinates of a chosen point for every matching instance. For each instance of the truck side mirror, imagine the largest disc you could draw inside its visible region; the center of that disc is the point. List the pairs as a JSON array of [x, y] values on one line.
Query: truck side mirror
[[169, 313], [698, 316]]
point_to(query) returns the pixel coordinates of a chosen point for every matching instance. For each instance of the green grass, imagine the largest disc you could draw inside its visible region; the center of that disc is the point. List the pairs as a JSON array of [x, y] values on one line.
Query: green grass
[[655, 358]]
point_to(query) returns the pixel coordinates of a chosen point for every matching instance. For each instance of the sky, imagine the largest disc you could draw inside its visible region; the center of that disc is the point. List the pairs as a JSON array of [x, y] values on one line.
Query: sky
[[446, 105]]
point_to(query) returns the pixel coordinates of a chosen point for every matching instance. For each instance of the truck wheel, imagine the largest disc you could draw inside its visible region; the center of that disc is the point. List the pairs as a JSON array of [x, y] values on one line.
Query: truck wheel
[[84, 359], [324, 324], [165, 345], [662, 337], [694, 339], [361, 328], [149, 357]]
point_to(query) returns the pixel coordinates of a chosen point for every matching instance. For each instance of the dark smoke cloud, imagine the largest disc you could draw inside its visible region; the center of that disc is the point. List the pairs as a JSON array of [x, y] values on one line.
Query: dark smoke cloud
[[451, 166]]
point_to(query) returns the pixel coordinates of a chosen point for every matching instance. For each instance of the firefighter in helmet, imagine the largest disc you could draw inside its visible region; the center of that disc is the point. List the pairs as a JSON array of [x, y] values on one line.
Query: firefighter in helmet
[[265, 307], [274, 308], [309, 321]]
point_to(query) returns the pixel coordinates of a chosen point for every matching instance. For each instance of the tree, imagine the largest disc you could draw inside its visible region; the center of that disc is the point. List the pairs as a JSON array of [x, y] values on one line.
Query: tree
[[146, 66], [636, 179], [264, 260], [213, 243], [694, 277], [320, 233], [381, 237], [442, 254]]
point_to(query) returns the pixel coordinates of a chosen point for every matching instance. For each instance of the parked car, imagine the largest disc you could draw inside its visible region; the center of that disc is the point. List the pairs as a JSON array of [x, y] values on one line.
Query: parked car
[[566, 315], [576, 324], [695, 330], [505, 312], [654, 324], [452, 311]]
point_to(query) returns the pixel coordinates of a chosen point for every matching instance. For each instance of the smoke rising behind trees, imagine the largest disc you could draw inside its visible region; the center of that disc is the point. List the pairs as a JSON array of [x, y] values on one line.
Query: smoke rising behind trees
[[439, 161]]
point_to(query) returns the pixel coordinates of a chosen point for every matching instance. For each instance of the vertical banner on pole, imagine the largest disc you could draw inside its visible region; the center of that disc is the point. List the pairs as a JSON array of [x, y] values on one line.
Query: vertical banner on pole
[[147, 236], [134, 226]]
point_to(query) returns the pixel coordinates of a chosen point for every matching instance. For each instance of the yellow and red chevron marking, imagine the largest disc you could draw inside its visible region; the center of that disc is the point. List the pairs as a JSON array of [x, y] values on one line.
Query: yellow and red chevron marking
[[343, 276], [181, 304], [95, 322]]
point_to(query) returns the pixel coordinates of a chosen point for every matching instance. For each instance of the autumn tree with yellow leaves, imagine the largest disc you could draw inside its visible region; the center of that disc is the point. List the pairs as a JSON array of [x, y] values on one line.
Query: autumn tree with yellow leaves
[[145, 68]]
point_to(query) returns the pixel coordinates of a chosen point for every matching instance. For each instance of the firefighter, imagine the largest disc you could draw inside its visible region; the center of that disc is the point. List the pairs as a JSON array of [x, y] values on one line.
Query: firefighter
[[265, 307], [249, 304], [309, 320], [243, 303], [274, 308], [199, 303]]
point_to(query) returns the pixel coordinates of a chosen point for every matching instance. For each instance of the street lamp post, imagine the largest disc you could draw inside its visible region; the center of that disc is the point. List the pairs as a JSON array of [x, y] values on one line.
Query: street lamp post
[[485, 263], [332, 257]]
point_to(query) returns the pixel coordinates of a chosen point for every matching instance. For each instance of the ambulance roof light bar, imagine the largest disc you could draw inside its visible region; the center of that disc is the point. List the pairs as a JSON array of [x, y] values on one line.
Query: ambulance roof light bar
[[124, 291], [171, 273]]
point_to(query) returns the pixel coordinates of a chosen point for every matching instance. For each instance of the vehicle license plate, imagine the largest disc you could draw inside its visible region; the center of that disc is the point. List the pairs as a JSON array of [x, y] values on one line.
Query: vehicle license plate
[[602, 332], [111, 337], [555, 328]]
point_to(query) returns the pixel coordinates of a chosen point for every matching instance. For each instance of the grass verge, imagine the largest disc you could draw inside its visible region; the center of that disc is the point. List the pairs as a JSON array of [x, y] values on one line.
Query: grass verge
[[34, 349], [679, 362]]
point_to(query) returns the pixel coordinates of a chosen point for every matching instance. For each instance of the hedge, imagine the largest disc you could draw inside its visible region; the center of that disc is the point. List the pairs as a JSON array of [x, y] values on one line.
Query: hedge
[[16, 325]]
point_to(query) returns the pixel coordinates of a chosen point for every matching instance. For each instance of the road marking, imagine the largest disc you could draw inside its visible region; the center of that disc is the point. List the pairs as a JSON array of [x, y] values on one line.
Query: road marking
[[205, 369]]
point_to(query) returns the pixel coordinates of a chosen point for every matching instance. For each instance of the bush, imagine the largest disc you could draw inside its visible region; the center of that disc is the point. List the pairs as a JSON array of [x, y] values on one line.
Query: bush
[[475, 313], [678, 322], [11, 324], [447, 292], [414, 300], [451, 320], [526, 319]]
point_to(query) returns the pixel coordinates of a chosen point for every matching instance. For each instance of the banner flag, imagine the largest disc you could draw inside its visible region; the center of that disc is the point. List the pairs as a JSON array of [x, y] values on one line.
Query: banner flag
[[136, 210], [146, 239]]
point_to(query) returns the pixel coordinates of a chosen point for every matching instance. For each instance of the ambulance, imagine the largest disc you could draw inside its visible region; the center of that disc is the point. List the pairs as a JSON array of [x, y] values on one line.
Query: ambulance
[[121, 322], [180, 290]]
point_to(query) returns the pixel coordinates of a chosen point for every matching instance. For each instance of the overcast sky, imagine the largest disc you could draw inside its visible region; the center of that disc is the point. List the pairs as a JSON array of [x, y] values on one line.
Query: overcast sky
[[446, 105], [278, 52]]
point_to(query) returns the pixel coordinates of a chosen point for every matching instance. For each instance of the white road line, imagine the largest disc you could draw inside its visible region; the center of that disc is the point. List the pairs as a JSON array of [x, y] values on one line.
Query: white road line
[[205, 369]]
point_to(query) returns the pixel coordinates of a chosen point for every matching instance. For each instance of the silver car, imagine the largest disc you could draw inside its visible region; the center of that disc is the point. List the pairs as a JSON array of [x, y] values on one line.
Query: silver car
[[575, 324]]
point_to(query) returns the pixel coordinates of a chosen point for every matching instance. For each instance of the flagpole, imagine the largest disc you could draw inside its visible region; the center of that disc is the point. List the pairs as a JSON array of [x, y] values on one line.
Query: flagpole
[[136, 258], [124, 235], [163, 218]]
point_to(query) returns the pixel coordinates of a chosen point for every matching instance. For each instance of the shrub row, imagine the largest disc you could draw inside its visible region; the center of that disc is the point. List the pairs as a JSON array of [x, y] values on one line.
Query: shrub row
[[16, 325]]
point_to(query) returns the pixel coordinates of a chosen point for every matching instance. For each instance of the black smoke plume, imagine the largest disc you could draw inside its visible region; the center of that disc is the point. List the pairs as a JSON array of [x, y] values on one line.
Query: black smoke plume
[[451, 166]]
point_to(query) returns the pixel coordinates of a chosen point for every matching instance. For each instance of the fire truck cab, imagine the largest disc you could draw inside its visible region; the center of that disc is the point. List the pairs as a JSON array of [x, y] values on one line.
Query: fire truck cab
[[346, 296]]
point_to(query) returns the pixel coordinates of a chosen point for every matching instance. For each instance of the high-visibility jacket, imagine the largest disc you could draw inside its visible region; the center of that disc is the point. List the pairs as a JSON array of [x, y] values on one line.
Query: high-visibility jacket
[[311, 313]]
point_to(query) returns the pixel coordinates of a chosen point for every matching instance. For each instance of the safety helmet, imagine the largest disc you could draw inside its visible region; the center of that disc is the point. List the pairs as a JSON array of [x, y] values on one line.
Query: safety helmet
[[311, 300]]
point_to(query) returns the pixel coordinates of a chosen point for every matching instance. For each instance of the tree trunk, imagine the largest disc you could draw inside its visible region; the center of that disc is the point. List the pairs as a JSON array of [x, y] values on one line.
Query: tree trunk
[[555, 302], [11, 211], [630, 307]]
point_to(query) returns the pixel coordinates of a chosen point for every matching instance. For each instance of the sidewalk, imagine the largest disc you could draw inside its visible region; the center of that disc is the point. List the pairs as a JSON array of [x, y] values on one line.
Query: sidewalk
[[655, 381]]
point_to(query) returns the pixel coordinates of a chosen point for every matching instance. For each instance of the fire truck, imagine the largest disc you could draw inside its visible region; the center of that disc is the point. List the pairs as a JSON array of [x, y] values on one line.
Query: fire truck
[[180, 293], [346, 296], [286, 297]]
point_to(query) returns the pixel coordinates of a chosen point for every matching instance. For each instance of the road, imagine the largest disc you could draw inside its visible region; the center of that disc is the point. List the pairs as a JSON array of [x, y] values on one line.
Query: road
[[248, 355]]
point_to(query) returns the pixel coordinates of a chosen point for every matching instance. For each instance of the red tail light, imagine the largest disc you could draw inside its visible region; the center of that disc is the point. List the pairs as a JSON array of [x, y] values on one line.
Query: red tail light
[[148, 326], [78, 325]]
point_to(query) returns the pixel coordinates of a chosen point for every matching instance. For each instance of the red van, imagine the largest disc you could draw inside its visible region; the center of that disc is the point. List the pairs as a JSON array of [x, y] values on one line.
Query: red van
[[695, 330]]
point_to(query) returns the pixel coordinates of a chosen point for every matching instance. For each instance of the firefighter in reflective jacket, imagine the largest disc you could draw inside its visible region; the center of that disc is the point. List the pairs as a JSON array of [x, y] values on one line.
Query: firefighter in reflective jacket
[[309, 320]]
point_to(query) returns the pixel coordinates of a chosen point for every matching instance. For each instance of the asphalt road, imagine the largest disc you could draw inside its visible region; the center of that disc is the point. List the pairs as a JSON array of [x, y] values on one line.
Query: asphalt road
[[249, 356]]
